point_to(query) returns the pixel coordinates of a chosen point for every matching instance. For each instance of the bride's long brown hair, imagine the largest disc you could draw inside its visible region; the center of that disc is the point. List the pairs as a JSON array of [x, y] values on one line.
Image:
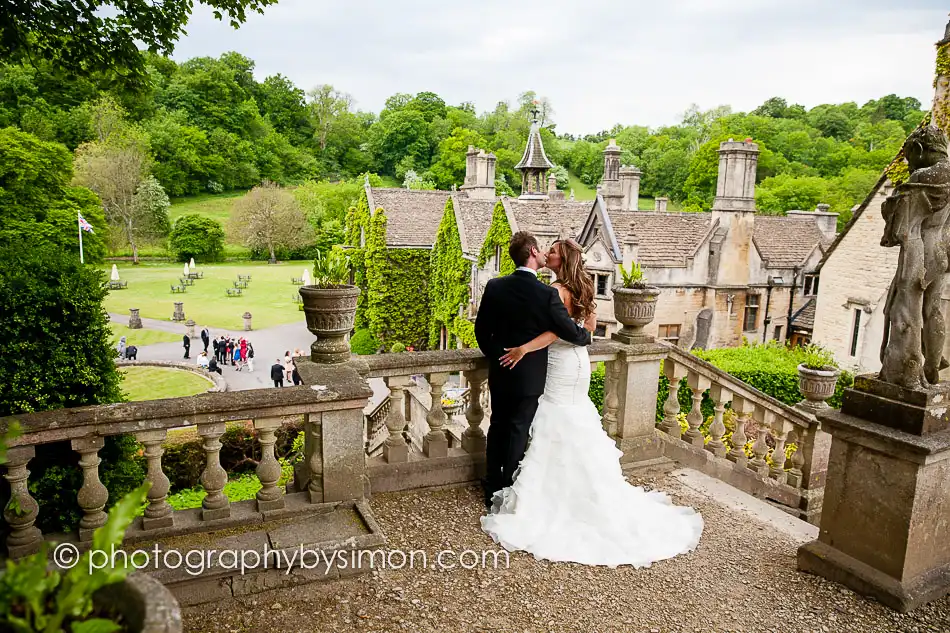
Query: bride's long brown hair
[[573, 275]]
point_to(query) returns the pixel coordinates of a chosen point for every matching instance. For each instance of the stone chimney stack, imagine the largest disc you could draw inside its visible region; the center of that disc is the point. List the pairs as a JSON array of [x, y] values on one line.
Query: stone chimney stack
[[827, 222], [735, 187], [611, 190], [552, 184], [630, 188], [479, 174], [660, 204]]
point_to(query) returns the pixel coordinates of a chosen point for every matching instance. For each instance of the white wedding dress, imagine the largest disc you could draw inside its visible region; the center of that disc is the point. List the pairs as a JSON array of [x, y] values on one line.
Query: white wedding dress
[[569, 500]]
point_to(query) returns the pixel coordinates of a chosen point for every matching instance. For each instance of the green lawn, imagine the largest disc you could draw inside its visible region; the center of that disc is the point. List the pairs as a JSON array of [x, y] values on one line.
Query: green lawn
[[142, 336], [215, 206], [154, 383], [581, 191], [269, 297]]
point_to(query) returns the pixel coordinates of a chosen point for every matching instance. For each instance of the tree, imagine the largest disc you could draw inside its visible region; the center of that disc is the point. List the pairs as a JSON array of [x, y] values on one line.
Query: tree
[[104, 36], [326, 105], [114, 170], [197, 236], [53, 311], [269, 217], [37, 201], [151, 205]]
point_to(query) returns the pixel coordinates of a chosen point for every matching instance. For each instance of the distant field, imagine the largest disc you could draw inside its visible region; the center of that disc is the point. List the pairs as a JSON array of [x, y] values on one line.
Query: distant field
[[154, 383], [215, 206], [581, 191], [269, 297]]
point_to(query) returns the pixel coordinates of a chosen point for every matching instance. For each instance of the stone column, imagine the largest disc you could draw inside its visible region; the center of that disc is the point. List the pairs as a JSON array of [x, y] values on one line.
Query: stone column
[[638, 369], [315, 457], [435, 443], [247, 321], [269, 497], [671, 408], [344, 460], [135, 321], [395, 448], [720, 396], [190, 328], [92, 495], [473, 438], [660, 204], [159, 513], [611, 397], [179, 313], [215, 505], [743, 409], [21, 510], [698, 384]]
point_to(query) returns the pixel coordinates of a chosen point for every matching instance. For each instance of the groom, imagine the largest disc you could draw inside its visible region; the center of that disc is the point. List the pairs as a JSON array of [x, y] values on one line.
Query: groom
[[514, 310]]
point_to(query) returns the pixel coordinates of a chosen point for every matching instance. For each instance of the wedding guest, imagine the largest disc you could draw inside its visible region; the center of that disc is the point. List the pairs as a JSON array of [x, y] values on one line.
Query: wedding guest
[[203, 360], [121, 347], [214, 348], [186, 343], [131, 352], [288, 365], [236, 358], [296, 376], [250, 357], [205, 338], [213, 366], [277, 373]]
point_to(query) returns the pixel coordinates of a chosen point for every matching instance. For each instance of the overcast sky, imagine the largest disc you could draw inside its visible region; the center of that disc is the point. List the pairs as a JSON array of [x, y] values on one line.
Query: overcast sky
[[600, 62]]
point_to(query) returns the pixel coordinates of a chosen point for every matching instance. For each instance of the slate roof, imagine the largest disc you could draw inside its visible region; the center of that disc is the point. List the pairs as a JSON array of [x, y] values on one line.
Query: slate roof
[[476, 218], [534, 156], [551, 217], [412, 217], [786, 242], [664, 239], [804, 319]]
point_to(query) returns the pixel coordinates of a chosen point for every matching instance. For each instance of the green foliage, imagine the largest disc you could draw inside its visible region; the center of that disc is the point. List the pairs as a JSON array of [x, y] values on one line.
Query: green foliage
[[331, 270], [817, 357], [397, 347], [499, 235], [449, 277], [37, 201], [596, 390], [364, 343], [34, 597], [152, 205], [633, 278], [465, 331], [197, 236], [52, 310]]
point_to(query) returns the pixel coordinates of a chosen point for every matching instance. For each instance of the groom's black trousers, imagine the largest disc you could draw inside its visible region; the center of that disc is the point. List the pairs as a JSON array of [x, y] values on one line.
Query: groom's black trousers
[[511, 417]]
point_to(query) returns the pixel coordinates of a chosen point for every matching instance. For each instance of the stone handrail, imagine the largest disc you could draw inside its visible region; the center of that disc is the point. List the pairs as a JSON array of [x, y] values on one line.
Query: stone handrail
[[332, 419]]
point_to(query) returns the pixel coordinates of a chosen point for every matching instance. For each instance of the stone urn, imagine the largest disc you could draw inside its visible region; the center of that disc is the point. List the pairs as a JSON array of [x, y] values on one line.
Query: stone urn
[[330, 315], [817, 385], [145, 604], [634, 308], [453, 409]]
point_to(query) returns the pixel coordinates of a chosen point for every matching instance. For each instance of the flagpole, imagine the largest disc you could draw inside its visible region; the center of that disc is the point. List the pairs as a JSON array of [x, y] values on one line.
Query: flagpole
[[79, 226]]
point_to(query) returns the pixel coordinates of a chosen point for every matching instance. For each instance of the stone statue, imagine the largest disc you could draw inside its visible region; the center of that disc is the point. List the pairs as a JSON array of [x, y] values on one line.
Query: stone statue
[[916, 217]]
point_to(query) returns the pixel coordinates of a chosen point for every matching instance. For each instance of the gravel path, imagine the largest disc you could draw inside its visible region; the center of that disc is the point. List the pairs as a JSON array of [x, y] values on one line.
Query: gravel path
[[742, 577]]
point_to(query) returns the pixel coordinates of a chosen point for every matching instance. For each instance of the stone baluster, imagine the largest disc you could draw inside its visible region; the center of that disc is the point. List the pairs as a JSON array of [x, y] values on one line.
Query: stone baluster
[[743, 409], [158, 513], [697, 384], [780, 432], [760, 447], [395, 448], [93, 495], [611, 397], [314, 438], [794, 475], [473, 438], [436, 443], [720, 396], [269, 497], [21, 510], [671, 409], [215, 505]]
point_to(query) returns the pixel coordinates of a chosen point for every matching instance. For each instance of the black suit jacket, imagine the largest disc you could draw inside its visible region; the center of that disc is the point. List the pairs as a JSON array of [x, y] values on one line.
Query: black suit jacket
[[515, 309]]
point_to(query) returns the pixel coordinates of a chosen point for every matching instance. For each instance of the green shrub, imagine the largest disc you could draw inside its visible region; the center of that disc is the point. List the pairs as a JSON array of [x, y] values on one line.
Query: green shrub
[[397, 348], [596, 390], [197, 236], [364, 343]]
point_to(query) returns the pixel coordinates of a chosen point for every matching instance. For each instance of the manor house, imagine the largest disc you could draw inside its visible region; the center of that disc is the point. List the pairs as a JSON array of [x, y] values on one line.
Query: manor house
[[725, 275]]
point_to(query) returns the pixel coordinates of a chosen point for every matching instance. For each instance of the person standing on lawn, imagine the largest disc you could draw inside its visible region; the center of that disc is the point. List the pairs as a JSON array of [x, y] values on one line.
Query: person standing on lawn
[[186, 343], [277, 373]]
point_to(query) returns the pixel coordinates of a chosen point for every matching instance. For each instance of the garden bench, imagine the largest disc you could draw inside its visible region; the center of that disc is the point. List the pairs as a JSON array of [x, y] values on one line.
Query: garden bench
[[177, 288], [244, 277], [234, 292], [185, 281], [297, 281], [118, 285], [240, 284], [196, 275]]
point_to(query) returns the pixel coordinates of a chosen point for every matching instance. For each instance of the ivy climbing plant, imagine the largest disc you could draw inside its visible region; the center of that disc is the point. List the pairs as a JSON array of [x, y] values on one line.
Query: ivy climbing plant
[[357, 226], [499, 234], [449, 277]]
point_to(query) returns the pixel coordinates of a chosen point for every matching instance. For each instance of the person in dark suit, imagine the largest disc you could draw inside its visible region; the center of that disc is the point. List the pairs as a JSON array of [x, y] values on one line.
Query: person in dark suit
[[515, 309], [277, 373], [186, 343], [205, 338]]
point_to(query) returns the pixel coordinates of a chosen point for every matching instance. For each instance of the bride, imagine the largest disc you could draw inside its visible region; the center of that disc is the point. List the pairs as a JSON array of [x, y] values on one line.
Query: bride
[[569, 500]]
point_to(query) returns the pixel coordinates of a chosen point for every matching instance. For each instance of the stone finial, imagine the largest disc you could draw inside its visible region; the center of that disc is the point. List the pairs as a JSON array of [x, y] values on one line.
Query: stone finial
[[135, 321], [572, 194], [247, 321], [822, 207]]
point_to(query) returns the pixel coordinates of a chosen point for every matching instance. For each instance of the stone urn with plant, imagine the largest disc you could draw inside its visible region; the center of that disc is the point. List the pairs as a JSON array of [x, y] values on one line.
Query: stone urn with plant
[[817, 378], [634, 304], [329, 304]]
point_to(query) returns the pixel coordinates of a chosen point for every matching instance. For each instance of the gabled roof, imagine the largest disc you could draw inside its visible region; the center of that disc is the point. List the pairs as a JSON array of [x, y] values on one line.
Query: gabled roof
[[664, 239], [804, 318], [550, 217], [412, 217], [786, 241], [534, 156], [475, 218]]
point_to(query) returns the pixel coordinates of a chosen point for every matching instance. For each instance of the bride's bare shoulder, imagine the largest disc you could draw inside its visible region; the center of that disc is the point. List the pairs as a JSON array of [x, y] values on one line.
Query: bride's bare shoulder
[[564, 293]]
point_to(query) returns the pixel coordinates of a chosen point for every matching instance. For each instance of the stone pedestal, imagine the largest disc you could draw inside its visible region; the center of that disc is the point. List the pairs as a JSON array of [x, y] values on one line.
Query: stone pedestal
[[179, 314], [247, 321], [190, 328], [135, 321], [638, 367], [887, 499]]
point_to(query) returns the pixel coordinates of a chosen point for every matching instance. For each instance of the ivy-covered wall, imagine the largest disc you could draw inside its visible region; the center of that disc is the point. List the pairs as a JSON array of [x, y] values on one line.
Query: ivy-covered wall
[[358, 223], [499, 234], [450, 277], [396, 288]]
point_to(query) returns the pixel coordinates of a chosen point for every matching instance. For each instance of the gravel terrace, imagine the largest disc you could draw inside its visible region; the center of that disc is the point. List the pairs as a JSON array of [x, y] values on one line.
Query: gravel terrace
[[742, 577]]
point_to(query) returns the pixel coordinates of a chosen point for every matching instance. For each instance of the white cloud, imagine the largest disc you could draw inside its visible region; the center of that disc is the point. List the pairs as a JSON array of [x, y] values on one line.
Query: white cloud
[[599, 61]]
